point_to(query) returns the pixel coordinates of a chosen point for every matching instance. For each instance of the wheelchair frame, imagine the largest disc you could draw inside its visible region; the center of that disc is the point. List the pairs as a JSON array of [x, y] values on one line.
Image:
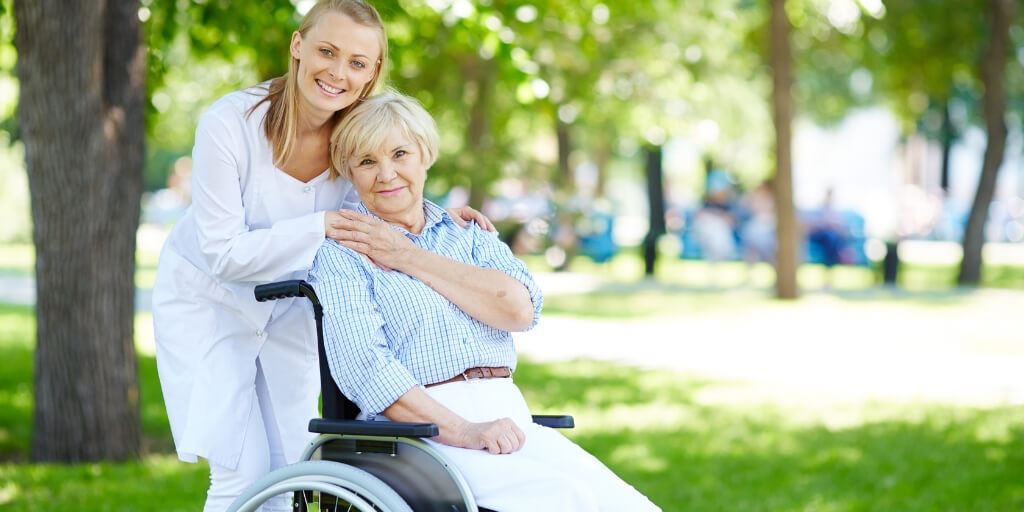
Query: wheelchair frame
[[370, 465]]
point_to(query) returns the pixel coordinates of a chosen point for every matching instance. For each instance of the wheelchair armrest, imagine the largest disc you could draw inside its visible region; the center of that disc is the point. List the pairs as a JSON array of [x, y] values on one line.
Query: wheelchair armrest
[[372, 428], [285, 289], [554, 421]]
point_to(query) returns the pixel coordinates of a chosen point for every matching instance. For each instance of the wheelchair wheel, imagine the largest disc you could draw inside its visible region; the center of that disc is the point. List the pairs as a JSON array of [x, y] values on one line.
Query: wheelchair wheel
[[316, 486]]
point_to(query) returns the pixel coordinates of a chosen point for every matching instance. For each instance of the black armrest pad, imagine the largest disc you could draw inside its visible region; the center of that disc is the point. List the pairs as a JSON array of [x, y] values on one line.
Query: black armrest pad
[[372, 428], [554, 421]]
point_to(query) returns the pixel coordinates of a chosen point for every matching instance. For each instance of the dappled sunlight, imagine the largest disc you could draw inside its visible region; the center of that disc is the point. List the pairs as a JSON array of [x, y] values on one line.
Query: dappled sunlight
[[9, 492], [825, 349], [764, 466], [670, 434], [632, 417], [145, 343], [760, 456], [640, 457]]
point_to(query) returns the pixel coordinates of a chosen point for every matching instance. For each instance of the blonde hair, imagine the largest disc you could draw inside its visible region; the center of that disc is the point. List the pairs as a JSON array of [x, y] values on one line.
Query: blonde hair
[[281, 122], [365, 128]]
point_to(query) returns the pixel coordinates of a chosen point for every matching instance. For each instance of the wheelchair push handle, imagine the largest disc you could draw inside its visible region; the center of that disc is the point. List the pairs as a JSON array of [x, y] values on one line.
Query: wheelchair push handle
[[286, 289]]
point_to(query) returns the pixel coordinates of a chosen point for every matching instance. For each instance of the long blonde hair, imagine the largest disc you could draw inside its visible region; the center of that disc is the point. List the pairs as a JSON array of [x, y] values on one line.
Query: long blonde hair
[[281, 122]]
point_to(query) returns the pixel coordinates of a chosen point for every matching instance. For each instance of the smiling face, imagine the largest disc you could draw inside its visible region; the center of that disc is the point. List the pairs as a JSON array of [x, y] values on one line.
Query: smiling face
[[337, 60], [390, 180]]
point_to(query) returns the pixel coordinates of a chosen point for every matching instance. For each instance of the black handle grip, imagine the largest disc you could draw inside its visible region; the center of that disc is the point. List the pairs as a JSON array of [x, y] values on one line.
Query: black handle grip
[[284, 290]]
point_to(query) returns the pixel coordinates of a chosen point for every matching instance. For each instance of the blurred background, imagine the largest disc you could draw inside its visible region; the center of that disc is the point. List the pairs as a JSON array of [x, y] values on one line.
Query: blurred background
[[626, 151]]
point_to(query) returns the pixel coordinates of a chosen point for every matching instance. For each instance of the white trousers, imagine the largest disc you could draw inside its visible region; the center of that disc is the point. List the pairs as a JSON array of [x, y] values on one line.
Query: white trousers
[[262, 452], [549, 472]]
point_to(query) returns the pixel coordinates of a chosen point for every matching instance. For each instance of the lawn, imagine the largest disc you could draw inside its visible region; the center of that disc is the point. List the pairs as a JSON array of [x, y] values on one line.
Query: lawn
[[648, 425]]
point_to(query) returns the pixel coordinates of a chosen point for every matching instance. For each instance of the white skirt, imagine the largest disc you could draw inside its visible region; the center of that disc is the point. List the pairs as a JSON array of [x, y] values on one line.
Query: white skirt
[[549, 472]]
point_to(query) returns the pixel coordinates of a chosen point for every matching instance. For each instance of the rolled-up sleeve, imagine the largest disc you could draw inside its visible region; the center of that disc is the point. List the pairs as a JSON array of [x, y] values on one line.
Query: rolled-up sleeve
[[360, 358], [232, 251], [490, 252]]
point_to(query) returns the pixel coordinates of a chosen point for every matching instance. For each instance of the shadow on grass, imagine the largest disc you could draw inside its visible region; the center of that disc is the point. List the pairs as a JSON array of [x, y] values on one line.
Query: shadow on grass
[[647, 425], [716, 458]]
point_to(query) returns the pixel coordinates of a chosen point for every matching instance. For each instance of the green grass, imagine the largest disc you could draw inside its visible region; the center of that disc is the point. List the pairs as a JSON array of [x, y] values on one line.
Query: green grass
[[653, 430], [652, 427], [158, 482]]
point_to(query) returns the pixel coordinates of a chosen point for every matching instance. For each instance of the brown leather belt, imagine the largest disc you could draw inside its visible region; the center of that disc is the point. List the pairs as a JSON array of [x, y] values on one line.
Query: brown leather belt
[[482, 372]]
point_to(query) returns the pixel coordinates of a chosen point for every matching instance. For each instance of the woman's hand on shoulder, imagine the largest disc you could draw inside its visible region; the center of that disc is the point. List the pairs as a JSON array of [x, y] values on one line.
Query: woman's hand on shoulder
[[463, 215], [370, 237], [498, 436]]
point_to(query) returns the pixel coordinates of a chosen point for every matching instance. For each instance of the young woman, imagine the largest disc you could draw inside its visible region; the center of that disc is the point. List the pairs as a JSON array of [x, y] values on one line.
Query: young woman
[[240, 377]]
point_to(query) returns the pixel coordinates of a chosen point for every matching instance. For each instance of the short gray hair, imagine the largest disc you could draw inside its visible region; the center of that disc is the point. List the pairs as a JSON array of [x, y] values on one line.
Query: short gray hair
[[367, 125]]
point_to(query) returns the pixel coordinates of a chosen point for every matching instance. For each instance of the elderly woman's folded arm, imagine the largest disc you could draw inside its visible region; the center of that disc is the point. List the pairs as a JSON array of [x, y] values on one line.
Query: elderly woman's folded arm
[[488, 295]]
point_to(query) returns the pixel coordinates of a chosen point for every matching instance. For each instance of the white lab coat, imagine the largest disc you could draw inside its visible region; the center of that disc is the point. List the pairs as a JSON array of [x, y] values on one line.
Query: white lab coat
[[249, 223]]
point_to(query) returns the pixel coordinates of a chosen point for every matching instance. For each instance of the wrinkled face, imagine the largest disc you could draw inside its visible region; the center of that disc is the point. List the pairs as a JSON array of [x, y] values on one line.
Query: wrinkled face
[[337, 59], [390, 180]]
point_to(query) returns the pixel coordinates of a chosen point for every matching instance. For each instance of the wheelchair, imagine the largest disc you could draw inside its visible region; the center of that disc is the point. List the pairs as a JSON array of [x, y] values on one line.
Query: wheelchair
[[359, 465]]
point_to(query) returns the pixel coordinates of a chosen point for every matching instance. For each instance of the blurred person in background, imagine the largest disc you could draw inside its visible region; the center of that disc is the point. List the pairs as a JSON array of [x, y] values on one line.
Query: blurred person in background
[[827, 229], [715, 222], [757, 231]]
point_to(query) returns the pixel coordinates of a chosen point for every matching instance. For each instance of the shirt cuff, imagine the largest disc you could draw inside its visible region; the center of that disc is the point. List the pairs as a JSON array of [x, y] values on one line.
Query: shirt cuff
[[384, 387]]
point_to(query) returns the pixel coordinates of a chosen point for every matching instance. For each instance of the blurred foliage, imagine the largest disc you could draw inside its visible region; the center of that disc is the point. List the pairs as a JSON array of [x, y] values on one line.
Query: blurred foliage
[[516, 84], [17, 225], [500, 77]]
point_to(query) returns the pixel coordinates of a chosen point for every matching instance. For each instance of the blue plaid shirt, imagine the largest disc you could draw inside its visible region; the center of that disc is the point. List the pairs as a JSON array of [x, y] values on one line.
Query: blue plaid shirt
[[386, 332]]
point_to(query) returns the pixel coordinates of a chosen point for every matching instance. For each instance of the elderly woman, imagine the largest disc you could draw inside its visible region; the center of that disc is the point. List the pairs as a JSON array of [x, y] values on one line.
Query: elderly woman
[[431, 342]]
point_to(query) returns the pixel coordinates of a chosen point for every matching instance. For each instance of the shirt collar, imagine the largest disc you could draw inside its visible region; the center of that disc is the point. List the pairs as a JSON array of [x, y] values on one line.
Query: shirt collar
[[433, 214]]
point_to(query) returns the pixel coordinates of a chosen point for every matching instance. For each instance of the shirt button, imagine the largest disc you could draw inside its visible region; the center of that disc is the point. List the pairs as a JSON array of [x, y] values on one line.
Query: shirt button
[[307, 189], [260, 333]]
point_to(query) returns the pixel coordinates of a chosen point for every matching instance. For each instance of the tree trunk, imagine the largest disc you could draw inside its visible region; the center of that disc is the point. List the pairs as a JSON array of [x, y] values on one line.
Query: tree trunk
[[947, 146], [565, 180], [656, 211], [994, 106], [782, 103], [81, 69], [602, 153]]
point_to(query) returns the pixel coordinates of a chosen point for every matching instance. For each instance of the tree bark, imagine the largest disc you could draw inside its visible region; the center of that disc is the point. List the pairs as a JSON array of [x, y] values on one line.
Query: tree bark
[[782, 105], [994, 107], [565, 180], [656, 211], [947, 137], [602, 153], [81, 70]]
